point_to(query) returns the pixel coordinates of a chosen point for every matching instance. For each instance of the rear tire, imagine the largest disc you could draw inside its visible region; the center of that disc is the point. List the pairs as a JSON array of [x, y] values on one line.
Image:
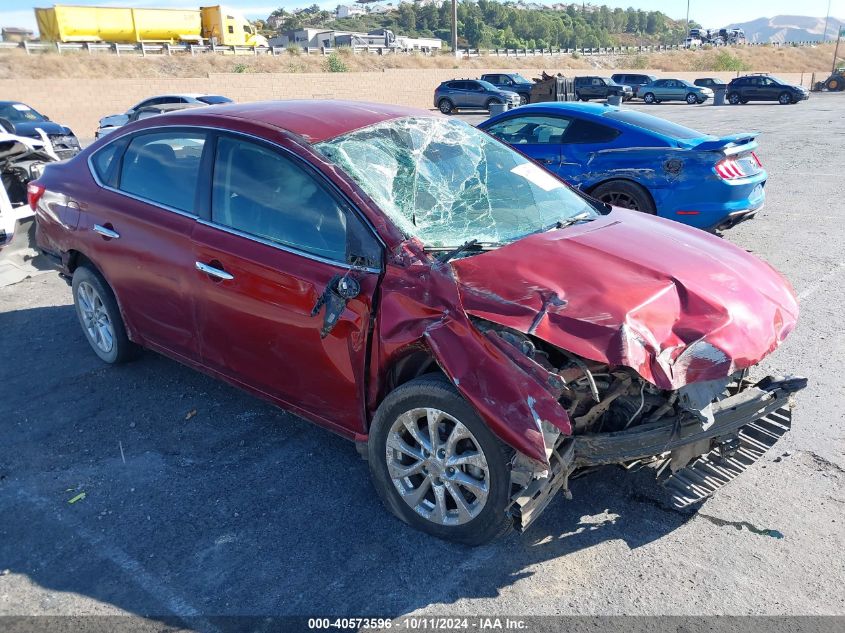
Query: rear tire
[[100, 317], [625, 194], [649, 98], [524, 99], [413, 478], [445, 106]]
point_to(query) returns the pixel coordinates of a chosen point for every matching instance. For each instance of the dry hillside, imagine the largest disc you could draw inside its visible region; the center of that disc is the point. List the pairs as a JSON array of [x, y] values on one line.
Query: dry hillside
[[16, 64]]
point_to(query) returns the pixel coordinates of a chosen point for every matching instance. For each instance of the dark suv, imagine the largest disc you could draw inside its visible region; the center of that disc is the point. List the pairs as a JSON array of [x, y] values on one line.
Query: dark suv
[[710, 82], [634, 80], [513, 82], [471, 93], [601, 88], [764, 88]]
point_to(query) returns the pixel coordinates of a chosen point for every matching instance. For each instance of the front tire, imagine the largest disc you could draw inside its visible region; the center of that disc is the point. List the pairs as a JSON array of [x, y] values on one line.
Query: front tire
[[625, 194], [784, 98], [445, 106], [734, 99], [692, 99], [437, 466], [100, 317], [524, 100], [649, 98]]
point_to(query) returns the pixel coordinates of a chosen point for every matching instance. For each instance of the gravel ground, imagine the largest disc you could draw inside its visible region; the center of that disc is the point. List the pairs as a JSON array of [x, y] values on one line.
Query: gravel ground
[[202, 501]]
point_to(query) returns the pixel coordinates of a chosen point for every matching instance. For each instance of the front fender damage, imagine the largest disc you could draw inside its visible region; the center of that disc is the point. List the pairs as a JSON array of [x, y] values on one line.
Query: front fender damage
[[514, 399]]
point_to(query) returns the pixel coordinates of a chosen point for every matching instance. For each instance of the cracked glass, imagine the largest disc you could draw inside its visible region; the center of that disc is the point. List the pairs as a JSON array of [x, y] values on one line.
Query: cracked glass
[[446, 182]]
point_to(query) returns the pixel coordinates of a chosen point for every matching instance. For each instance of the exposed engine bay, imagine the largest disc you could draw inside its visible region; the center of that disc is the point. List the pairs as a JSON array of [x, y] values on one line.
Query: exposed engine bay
[[603, 399], [617, 417]]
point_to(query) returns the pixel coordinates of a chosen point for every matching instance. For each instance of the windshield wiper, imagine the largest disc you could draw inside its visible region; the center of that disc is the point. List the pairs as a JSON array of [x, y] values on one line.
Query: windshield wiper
[[469, 245], [575, 219]]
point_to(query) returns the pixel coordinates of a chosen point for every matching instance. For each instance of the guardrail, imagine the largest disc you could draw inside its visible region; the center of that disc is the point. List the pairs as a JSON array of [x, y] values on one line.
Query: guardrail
[[155, 48]]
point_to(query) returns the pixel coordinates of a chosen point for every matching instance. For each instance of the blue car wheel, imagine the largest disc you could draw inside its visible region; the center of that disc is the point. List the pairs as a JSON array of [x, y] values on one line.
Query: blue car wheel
[[625, 194]]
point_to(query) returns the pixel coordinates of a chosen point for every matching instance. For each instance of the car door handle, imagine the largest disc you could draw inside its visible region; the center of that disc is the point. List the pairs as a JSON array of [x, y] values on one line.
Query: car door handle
[[106, 232], [214, 272], [545, 161]]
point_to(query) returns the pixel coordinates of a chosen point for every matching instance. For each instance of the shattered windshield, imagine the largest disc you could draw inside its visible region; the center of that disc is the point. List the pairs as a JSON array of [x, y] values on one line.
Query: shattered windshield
[[446, 183]]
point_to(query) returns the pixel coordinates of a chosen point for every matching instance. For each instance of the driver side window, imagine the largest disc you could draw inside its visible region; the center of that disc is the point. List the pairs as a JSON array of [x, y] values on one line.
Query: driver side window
[[262, 192], [535, 130]]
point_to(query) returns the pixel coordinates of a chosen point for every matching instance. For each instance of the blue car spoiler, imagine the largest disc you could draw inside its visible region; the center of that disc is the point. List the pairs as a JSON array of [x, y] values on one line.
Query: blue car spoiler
[[730, 144]]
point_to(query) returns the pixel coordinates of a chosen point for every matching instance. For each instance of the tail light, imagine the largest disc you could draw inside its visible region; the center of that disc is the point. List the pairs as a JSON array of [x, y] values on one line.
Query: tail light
[[756, 159], [34, 192], [729, 169]]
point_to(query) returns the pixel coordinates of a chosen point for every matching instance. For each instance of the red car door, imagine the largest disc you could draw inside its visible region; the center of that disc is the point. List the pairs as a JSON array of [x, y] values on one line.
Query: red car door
[[140, 225], [274, 246]]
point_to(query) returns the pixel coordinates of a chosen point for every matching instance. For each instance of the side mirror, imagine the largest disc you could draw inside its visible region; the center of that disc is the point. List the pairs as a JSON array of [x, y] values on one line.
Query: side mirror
[[348, 287]]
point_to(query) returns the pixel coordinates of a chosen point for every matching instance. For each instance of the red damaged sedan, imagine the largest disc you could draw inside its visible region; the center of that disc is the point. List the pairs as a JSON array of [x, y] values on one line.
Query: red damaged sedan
[[481, 330]]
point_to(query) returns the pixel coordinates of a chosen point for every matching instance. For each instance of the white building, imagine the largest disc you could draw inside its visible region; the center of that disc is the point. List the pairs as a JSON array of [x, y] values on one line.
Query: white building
[[349, 11]]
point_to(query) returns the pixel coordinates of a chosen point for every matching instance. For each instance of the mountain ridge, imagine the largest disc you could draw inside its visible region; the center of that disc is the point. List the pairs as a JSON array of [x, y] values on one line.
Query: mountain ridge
[[789, 28]]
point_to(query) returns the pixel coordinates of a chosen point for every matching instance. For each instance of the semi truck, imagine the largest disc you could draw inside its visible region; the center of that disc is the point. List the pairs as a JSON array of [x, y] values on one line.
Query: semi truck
[[215, 24]]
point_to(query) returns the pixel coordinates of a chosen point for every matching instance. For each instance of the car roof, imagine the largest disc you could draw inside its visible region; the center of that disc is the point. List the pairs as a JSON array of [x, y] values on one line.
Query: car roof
[[315, 120], [595, 110], [172, 106]]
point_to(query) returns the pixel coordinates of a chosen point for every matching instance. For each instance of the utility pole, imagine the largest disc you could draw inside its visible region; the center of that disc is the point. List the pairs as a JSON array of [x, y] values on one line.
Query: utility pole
[[687, 25], [836, 52], [826, 20], [455, 50]]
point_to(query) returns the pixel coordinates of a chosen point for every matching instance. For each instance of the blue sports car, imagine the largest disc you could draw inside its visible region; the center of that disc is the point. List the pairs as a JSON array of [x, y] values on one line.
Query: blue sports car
[[638, 161]]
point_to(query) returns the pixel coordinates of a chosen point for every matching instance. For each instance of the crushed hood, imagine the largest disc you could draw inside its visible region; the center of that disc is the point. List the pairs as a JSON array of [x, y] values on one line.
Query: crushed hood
[[675, 304], [30, 128]]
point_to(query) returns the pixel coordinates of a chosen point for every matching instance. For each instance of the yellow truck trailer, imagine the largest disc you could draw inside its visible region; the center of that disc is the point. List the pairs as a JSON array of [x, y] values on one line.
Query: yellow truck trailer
[[64, 23]]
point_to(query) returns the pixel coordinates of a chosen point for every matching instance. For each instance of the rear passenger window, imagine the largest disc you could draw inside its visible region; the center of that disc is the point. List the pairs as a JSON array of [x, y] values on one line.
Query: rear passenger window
[[105, 160], [164, 168], [259, 191], [583, 131]]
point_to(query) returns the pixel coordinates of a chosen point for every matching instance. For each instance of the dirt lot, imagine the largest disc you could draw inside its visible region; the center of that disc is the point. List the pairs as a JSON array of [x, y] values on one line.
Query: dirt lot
[[202, 501]]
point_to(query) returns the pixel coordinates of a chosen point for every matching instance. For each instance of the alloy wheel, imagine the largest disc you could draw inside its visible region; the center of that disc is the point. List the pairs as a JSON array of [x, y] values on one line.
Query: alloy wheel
[[437, 466], [619, 199], [95, 318]]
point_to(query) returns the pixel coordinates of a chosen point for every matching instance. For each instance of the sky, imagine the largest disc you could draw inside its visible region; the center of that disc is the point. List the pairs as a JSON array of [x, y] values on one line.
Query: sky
[[709, 13]]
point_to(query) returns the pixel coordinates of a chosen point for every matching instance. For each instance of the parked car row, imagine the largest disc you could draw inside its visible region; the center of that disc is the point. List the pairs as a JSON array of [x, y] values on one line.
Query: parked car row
[[381, 255], [512, 89]]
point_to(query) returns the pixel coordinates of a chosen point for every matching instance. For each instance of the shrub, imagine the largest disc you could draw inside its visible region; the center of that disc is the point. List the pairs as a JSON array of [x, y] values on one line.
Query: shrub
[[293, 49], [334, 64], [639, 62], [725, 61], [241, 68]]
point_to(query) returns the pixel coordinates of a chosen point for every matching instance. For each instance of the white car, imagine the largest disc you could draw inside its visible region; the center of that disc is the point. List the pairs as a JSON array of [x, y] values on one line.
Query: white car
[[113, 121], [22, 159], [692, 42]]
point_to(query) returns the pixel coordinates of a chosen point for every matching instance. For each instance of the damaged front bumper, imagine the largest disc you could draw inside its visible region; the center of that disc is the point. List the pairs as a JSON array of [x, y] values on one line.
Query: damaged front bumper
[[680, 440]]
